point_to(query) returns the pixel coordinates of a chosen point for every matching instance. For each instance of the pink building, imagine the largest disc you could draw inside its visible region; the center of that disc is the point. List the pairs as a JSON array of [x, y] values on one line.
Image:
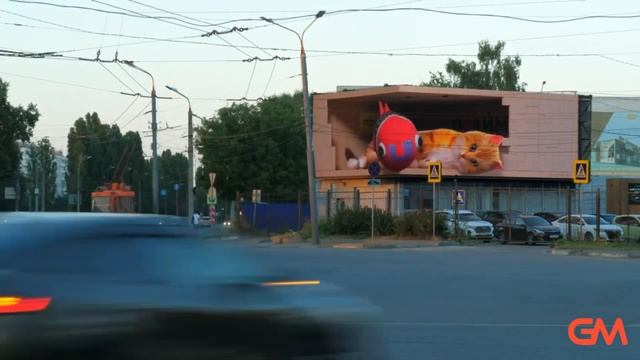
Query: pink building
[[539, 140]]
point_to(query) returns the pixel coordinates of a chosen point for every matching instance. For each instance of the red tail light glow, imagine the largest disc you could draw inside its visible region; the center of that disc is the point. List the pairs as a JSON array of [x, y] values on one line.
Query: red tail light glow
[[15, 305]]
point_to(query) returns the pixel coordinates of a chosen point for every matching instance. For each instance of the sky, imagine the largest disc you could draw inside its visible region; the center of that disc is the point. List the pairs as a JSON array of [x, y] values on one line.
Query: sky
[[593, 56]]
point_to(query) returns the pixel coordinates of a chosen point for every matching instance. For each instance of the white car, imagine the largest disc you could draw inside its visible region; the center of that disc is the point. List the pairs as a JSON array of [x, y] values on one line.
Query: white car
[[583, 227], [470, 223]]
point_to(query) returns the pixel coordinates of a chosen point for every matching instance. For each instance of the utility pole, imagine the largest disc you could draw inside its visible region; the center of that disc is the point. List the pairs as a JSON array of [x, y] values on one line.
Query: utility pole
[[154, 140], [78, 186], [311, 167], [44, 186], [190, 154]]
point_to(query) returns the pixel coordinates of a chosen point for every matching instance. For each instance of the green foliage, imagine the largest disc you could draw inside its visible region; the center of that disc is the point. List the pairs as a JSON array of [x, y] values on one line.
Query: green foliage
[[492, 71], [415, 223], [305, 232], [16, 124], [350, 221], [173, 170], [259, 146]]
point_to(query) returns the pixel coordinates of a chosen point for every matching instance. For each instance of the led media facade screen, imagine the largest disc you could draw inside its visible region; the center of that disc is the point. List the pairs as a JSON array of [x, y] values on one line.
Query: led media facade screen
[[474, 133]]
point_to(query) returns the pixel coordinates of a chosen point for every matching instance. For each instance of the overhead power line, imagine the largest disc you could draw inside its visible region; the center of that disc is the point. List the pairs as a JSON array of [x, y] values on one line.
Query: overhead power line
[[445, 12]]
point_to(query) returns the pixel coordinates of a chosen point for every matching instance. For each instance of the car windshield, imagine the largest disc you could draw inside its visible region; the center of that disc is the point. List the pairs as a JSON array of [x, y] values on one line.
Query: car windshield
[[469, 217], [536, 221], [591, 220]]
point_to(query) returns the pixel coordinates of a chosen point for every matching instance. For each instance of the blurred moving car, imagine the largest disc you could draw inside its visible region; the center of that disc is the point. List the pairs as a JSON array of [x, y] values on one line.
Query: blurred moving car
[[549, 216], [469, 224], [496, 217], [584, 227], [116, 286], [527, 229], [631, 224]]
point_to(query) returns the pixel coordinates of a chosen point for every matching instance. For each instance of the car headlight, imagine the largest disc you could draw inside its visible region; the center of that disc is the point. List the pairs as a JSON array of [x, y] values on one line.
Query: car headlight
[[538, 232]]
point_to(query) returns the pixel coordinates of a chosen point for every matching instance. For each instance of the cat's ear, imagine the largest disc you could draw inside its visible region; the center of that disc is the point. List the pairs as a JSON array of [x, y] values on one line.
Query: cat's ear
[[497, 165], [496, 139]]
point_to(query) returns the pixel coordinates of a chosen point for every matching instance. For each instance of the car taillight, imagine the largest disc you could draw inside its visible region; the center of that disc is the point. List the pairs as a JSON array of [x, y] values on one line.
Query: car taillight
[[14, 305]]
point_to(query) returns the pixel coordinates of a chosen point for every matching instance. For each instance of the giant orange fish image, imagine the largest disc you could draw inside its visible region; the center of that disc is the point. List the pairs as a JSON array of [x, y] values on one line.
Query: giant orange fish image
[[395, 142]]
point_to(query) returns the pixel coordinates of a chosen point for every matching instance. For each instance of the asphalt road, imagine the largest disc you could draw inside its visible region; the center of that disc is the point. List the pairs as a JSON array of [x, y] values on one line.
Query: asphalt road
[[489, 302]]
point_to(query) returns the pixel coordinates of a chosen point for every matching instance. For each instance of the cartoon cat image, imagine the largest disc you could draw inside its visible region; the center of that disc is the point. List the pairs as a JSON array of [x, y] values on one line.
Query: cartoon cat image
[[471, 152]]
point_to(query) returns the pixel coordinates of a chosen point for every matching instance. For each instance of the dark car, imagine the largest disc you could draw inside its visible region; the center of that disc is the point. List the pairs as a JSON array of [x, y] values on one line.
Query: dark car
[[111, 286], [549, 216], [527, 229], [497, 217]]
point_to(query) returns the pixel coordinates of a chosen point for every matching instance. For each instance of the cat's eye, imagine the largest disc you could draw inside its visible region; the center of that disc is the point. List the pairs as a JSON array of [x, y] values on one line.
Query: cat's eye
[[473, 147], [418, 141], [474, 162], [381, 150]]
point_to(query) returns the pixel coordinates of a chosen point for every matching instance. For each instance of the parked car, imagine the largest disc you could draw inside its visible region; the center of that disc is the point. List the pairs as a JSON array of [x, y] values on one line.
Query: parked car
[[496, 217], [116, 286], [527, 229], [584, 227], [549, 216], [631, 224], [469, 224], [607, 217]]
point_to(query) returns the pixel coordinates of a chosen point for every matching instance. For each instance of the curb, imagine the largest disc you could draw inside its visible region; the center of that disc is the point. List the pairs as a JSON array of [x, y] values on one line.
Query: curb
[[596, 253]]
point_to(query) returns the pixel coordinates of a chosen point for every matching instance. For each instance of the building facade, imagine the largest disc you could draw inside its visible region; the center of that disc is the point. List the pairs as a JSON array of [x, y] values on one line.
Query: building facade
[[537, 137]]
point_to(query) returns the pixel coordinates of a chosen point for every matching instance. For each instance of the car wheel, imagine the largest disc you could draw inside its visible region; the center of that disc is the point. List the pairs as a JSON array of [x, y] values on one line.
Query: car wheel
[[588, 237], [531, 240], [501, 238]]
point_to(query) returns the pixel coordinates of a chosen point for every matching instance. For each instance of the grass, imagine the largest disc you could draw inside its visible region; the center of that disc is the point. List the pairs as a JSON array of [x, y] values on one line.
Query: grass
[[596, 245]]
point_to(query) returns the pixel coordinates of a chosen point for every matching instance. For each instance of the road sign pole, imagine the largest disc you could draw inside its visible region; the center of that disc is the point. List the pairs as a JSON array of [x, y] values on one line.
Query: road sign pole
[[455, 208], [373, 195], [433, 212]]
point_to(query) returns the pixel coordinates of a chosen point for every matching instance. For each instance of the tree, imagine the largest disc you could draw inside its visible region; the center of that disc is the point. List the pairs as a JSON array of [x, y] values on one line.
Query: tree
[[492, 71], [173, 171], [41, 174], [95, 150], [16, 124], [259, 146]]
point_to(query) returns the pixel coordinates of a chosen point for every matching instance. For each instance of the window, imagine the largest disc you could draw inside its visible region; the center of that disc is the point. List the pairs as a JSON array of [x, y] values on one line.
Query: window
[[519, 221], [562, 220]]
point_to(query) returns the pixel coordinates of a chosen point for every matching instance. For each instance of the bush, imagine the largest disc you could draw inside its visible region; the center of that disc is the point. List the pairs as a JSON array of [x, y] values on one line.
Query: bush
[[419, 223], [415, 223], [358, 222], [305, 232]]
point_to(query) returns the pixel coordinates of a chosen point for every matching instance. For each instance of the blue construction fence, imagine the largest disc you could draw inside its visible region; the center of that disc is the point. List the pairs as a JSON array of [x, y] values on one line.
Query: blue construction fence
[[276, 217]]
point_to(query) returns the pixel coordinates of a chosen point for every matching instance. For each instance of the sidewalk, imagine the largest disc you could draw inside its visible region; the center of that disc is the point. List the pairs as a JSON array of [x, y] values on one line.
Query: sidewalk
[[607, 253]]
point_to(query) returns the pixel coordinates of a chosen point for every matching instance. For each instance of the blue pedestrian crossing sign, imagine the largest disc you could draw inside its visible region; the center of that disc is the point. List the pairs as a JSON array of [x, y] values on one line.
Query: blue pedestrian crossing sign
[[458, 197]]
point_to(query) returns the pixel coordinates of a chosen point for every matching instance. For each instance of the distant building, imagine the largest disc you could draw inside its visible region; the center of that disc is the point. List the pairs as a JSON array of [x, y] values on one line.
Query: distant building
[[61, 167], [61, 174]]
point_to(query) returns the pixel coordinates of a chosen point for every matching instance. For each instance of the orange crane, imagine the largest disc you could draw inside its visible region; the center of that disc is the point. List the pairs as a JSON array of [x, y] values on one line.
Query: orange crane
[[115, 196]]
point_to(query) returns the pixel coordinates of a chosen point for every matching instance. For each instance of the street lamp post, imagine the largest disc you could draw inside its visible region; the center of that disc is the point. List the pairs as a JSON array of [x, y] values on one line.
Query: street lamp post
[[154, 139], [80, 160], [311, 166], [190, 155]]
